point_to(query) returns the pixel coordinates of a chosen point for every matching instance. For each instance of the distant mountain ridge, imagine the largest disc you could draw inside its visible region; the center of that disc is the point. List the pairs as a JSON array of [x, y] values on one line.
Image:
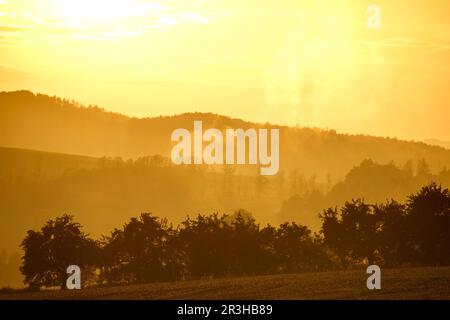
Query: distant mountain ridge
[[439, 143], [40, 122]]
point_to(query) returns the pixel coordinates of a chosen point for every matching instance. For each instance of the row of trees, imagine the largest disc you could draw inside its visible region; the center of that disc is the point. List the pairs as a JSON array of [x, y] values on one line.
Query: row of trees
[[150, 249], [392, 233]]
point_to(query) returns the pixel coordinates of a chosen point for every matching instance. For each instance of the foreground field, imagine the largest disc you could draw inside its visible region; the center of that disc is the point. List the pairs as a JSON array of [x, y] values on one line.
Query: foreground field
[[410, 283]]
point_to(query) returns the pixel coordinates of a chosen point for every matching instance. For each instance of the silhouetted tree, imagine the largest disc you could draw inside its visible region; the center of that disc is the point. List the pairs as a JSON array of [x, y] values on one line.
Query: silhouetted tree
[[429, 224], [359, 224], [333, 234], [48, 252], [353, 233], [267, 262], [206, 244], [393, 235], [296, 250], [244, 245], [140, 252]]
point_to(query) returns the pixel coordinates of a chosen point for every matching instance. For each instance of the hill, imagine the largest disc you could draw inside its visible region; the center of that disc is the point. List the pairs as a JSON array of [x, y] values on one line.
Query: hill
[[407, 283], [437, 142], [40, 122], [17, 162]]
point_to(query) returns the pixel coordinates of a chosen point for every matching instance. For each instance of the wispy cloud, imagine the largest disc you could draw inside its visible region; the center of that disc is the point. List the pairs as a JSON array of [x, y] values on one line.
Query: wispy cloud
[[14, 28], [102, 20], [406, 42]]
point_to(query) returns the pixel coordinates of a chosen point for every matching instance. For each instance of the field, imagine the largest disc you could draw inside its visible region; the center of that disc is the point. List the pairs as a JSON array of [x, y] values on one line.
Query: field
[[408, 283]]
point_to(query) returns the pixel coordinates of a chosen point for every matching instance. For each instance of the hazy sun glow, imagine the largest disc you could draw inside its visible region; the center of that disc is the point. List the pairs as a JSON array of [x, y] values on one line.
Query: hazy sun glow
[[100, 19], [102, 9]]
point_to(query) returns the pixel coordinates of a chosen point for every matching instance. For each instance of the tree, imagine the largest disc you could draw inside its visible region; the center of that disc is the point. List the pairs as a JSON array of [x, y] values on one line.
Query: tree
[[267, 262], [48, 252], [429, 224], [393, 233], [333, 234], [244, 247], [141, 252], [359, 224], [352, 234], [296, 250], [206, 243]]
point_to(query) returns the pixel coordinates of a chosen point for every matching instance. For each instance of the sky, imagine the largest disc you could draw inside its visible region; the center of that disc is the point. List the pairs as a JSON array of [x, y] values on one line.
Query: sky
[[308, 63]]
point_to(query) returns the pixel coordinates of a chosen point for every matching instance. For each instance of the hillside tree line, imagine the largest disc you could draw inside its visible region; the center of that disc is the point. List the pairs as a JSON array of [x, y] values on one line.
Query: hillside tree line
[[148, 248]]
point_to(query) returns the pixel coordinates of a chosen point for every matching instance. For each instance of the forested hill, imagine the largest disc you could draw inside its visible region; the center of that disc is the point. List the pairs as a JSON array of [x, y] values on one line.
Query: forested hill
[[40, 122]]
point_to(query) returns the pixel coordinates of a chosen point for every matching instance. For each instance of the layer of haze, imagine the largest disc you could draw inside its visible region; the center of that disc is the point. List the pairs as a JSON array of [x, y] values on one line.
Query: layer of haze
[[313, 63]]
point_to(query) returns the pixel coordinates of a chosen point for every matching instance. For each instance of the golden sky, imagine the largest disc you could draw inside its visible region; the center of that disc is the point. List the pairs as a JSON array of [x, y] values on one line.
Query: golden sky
[[312, 63]]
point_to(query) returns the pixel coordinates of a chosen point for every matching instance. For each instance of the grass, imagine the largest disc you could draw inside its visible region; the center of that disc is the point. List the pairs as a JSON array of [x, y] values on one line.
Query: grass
[[407, 283]]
